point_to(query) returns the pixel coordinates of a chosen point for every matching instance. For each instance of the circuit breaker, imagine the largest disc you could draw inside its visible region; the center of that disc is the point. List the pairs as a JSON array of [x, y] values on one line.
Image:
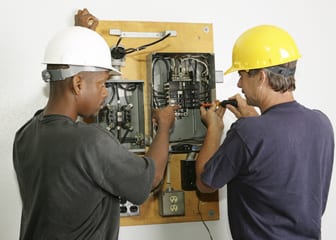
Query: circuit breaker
[[123, 114], [185, 79]]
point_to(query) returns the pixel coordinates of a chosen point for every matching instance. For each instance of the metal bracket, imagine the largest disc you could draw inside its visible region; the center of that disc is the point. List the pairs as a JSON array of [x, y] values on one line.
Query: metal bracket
[[118, 32]]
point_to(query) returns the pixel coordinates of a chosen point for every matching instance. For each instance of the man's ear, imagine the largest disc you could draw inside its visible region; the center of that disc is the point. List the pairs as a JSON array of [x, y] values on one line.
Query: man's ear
[[262, 77], [77, 84]]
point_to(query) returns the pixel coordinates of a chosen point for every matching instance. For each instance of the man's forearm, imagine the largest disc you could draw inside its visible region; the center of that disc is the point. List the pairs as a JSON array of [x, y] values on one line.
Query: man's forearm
[[158, 152], [210, 146]]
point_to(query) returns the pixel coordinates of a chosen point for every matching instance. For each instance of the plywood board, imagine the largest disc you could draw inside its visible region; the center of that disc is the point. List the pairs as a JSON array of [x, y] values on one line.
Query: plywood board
[[191, 37]]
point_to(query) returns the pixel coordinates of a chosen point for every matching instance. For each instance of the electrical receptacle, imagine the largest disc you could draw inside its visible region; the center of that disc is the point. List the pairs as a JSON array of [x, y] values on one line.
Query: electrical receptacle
[[171, 203], [127, 208]]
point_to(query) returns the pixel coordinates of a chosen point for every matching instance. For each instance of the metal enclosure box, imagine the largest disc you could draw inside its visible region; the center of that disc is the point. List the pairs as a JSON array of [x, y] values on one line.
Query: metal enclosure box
[[123, 114], [186, 79]]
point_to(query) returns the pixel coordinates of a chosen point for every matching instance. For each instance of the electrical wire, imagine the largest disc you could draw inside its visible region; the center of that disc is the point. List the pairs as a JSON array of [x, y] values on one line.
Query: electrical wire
[[119, 40], [205, 225], [113, 91], [128, 88], [206, 69], [168, 182], [130, 50]]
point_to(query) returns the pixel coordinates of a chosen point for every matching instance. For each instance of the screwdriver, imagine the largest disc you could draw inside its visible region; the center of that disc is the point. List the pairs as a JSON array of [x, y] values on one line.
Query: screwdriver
[[223, 103]]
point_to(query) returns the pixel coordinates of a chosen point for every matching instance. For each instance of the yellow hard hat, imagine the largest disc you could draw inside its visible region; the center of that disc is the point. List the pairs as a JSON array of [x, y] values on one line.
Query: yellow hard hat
[[263, 46]]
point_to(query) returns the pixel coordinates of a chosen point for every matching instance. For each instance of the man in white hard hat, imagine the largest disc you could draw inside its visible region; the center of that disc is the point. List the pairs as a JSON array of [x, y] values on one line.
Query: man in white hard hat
[[71, 174]]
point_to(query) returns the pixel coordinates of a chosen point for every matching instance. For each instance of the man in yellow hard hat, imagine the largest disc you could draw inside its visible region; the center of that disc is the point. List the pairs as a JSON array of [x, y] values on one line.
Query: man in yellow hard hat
[[277, 165]]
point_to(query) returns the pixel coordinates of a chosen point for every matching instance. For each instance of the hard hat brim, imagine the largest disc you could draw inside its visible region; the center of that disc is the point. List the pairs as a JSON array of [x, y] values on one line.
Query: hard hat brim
[[115, 72], [230, 70]]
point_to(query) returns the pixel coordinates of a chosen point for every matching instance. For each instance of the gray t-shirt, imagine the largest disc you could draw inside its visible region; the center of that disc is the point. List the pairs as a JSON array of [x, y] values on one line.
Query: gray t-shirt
[[71, 175]]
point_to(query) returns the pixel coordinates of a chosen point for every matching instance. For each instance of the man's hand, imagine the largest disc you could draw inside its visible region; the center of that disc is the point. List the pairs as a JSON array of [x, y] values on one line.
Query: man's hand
[[164, 118], [213, 116], [243, 109], [84, 18]]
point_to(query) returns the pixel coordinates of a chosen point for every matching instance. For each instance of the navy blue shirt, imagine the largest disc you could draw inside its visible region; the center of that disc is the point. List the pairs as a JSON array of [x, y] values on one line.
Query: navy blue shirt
[[277, 168]]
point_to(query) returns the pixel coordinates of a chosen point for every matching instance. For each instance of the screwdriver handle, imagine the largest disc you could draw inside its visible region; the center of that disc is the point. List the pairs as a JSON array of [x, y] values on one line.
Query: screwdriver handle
[[232, 102]]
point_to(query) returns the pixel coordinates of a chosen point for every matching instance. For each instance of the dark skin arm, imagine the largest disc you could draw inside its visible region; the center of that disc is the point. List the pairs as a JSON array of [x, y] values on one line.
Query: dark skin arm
[[84, 18], [158, 151]]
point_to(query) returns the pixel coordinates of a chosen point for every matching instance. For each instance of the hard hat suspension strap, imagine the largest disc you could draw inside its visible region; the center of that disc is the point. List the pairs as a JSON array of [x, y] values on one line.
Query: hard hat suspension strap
[[61, 74]]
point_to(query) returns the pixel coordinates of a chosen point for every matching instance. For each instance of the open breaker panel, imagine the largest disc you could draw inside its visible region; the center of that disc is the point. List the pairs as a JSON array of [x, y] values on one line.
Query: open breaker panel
[[187, 80], [123, 115], [172, 73]]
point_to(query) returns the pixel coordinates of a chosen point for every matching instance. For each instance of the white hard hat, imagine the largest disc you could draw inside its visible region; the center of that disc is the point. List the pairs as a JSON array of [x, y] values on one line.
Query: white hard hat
[[80, 47]]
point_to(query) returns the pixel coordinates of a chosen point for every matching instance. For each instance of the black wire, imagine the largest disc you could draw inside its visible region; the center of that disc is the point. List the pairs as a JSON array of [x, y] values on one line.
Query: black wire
[[206, 226], [159, 98], [119, 40], [117, 92], [129, 87], [125, 135], [130, 50], [112, 94]]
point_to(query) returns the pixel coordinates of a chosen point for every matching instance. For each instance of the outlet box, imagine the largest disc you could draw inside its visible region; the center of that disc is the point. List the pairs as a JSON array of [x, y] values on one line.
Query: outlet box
[[171, 203]]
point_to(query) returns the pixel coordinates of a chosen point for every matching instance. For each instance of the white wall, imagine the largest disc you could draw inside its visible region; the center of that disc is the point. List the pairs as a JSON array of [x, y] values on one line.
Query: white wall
[[26, 26]]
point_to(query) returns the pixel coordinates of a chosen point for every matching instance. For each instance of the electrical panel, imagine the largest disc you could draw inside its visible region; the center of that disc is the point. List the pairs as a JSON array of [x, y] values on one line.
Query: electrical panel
[[123, 113], [123, 116], [187, 80]]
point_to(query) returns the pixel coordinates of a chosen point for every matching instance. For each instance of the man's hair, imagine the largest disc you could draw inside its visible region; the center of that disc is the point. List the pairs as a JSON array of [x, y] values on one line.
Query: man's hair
[[57, 66], [281, 77]]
